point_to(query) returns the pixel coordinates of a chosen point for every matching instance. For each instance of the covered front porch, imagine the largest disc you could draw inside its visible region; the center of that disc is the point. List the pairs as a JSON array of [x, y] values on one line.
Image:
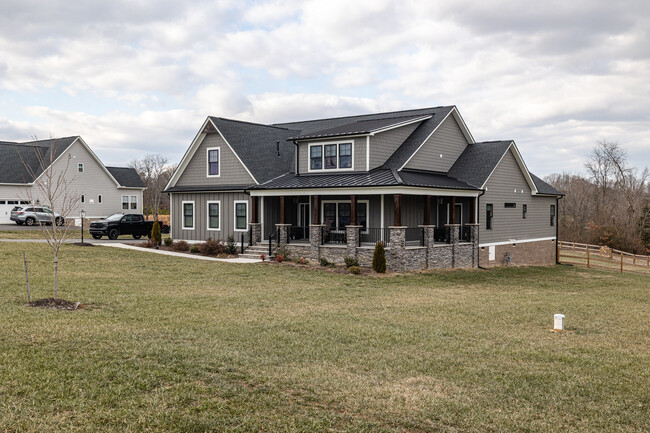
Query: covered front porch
[[334, 224]]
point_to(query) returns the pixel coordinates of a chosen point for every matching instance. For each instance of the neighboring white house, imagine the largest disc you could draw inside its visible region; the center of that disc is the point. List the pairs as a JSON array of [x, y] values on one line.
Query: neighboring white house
[[103, 190]]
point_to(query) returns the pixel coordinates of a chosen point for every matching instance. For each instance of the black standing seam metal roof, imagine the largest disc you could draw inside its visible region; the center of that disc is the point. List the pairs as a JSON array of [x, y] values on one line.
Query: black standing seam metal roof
[[126, 176], [373, 178], [22, 163]]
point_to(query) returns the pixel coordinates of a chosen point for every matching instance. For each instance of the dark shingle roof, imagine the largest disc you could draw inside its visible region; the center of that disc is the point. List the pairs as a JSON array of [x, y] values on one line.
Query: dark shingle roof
[[373, 178], [126, 176], [477, 161], [543, 187], [255, 144], [360, 127], [21, 162]]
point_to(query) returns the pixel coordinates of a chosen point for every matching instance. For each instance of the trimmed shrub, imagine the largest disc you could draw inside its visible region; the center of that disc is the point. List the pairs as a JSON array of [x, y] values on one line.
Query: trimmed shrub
[[194, 249], [303, 261], [155, 233], [350, 261], [379, 258], [324, 262], [168, 242], [231, 247], [354, 270], [279, 258], [212, 247], [180, 246]]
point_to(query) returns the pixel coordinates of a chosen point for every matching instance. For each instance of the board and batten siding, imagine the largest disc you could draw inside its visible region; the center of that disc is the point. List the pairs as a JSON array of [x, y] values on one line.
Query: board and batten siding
[[508, 224], [200, 232], [448, 140], [231, 171], [384, 144], [358, 153]]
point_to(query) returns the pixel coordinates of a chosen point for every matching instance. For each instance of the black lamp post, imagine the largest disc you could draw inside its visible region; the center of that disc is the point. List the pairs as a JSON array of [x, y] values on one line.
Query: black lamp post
[[83, 215]]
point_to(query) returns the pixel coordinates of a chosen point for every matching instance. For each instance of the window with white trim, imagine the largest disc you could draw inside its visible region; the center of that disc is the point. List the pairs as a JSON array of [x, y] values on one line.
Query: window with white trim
[[213, 161], [338, 214], [134, 202], [330, 156], [125, 202], [241, 216], [188, 215], [80, 168], [214, 215]]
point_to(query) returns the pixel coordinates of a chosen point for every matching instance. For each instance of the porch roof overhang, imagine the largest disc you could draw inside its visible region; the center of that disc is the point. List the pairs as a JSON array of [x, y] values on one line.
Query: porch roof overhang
[[405, 190], [206, 188]]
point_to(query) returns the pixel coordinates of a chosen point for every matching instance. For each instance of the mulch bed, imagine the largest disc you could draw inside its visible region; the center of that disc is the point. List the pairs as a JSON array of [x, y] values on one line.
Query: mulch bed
[[57, 304], [337, 269], [83, 244]]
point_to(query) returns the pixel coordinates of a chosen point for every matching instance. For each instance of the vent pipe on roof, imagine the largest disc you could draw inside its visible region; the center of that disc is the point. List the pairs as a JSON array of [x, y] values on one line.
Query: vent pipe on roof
[[277, 146]]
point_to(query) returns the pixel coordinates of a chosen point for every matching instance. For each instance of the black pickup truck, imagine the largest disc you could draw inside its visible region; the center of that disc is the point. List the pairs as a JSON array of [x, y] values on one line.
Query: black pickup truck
[[122, 224]]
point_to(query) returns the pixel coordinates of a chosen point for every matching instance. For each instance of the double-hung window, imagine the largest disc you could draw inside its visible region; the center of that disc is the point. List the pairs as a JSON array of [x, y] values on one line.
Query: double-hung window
[[489, 214], [214, 215], [338, 214], [134, 202], [213, 161], [80, 167], [125, 202], [330, 156], [241, 216], [552, 215], [188, 215]]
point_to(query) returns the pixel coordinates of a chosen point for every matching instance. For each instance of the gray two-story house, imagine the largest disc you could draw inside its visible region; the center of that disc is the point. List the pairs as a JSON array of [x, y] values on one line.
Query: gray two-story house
[[101, 190], [415, 180]]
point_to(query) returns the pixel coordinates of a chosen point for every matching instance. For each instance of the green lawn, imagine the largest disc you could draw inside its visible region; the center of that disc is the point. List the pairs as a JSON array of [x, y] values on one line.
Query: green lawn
[[175, 344]]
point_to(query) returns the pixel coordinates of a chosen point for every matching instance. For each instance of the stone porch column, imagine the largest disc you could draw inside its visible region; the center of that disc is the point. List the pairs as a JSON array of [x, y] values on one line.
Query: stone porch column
[[257, 233], [397, 245], [473, 238], [428, 240], [352, 235], [283, 233], [454, 237], [315, 239]]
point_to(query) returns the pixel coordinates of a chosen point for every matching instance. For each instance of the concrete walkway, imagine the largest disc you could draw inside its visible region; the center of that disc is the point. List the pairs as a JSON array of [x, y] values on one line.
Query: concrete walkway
[[187, 256]]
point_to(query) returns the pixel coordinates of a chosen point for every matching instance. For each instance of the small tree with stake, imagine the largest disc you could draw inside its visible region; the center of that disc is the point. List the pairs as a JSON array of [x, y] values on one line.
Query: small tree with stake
[[52, 188], [379, 258]]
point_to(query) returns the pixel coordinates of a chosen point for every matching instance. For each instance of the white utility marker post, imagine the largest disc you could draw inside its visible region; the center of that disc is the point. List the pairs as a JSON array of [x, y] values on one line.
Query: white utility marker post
[[558, 324]]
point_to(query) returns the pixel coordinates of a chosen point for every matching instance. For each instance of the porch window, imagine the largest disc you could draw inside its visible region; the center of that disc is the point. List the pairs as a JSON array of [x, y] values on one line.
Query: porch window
[[337, 215], [330, 156], [214, 209], [213, 162], [241, 215], [489, 214], [316, 155], [188, 215], [552, 215]]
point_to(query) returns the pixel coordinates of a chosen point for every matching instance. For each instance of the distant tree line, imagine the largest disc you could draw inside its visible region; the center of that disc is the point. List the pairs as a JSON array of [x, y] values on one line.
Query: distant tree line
[[609, 205], [155, 173]]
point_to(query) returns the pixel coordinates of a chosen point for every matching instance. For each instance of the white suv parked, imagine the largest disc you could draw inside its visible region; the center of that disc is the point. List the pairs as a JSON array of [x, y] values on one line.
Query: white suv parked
[[30, 215]]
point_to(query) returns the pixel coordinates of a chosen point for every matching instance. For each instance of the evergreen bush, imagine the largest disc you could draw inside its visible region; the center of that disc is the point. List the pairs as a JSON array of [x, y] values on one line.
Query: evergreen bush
[[379, 258], [155, 233]]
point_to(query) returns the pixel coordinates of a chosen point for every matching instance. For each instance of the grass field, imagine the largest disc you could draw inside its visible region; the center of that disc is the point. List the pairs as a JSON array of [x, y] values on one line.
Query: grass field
[[174, 344]]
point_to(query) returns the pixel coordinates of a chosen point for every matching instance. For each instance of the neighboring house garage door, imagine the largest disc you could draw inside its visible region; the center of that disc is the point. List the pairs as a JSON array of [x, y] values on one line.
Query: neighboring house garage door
[[5, 209]]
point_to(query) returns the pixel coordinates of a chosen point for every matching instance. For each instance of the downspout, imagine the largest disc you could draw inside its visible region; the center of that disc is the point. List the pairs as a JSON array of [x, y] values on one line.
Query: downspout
[[557, 229], [478, 217]]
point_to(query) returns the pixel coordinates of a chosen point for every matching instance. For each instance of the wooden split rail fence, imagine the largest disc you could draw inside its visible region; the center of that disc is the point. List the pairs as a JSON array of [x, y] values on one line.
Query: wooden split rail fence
[[602, 257]]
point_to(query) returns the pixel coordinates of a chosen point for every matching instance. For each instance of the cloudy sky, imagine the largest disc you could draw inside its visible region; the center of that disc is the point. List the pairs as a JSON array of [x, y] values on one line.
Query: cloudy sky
[[136, 76]]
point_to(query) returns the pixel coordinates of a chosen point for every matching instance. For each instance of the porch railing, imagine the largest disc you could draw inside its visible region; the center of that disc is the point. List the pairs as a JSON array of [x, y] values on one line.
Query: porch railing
[[246, 239], [333, 236], [465, 233], [414, 236], [372, 235], [274, 236], [441, 235], [298, 234]]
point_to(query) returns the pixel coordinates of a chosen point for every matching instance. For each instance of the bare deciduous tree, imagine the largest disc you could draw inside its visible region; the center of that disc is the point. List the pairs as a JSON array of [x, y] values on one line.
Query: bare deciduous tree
[[155, 173], [52, 189]]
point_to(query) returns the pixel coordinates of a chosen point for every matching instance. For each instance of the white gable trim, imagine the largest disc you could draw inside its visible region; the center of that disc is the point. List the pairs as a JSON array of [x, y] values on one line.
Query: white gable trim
[[189, 154], [520, 163]]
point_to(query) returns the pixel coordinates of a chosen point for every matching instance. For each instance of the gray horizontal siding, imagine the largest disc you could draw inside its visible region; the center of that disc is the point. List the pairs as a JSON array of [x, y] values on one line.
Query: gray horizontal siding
[[448, 140], [232, 171], [384, 144], [200, 231], [508, 223]]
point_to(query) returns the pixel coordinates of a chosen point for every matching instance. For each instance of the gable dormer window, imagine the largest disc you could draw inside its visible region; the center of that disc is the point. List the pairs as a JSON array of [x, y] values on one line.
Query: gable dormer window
[[330, 156], [213, 161]]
